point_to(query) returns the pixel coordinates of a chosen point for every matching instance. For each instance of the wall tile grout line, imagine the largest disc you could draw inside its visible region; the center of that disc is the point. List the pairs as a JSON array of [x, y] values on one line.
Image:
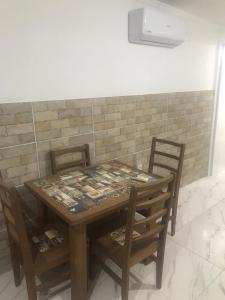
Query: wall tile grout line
[[48, 140], [65, 137], [93, 127], [17, 145], [135, 154], [35, 138]]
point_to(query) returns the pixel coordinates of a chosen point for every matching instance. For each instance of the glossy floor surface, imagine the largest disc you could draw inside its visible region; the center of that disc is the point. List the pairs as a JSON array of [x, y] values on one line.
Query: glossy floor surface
[[194, 262]]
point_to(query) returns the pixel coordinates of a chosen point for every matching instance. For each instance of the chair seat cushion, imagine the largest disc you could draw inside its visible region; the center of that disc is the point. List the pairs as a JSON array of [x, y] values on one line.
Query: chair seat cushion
[[50, 247], [46, 239]]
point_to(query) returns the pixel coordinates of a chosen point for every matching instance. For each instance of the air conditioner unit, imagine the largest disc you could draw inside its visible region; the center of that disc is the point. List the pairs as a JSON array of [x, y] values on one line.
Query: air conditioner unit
[[150, 26]]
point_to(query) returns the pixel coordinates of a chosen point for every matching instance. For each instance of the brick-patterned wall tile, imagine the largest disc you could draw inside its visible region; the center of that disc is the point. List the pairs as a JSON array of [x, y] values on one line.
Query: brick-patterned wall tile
[[151, 108], [145, 132], [189, 121], [116, 112], [57, 119], [151, 111], [113, 143], [138, 159], [16, 124], [123, 126], [19, 163]]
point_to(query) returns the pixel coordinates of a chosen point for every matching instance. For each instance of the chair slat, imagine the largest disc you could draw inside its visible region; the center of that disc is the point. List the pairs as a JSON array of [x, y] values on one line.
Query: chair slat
[[163, 166], [153, 217], [167, 155], [150, 203], [167, 142], [155, 185], [69, 150], [71, 164], [148, 235]]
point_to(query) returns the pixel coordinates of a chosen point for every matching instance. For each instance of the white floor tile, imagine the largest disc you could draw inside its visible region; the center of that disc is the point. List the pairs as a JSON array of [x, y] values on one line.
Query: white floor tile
[[217, 214], [185, 274], [216, 291], [197, 197], [204, 238], [8, 291]]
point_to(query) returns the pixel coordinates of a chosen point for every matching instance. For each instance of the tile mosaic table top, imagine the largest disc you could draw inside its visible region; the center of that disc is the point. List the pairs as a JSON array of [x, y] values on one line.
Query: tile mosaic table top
[[84, 188]]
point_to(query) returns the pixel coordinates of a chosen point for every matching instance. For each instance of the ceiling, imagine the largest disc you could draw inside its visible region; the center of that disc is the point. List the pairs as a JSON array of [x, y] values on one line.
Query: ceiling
[[212, 10]]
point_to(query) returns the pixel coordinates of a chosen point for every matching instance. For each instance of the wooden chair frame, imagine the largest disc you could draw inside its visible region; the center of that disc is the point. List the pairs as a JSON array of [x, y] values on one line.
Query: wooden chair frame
[[151, 241], [22, 252], [177, 171], [84, 162]]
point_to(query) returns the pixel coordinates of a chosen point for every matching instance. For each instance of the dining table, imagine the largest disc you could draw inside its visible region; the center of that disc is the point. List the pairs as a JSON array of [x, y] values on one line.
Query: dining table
[[81, 197]]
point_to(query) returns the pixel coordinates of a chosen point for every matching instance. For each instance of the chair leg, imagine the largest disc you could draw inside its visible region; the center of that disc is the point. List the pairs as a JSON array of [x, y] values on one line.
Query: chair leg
[[31, 289], [174, 217], [15, 259], [173, 226], [159, 272], [30, 280], [125, 284]]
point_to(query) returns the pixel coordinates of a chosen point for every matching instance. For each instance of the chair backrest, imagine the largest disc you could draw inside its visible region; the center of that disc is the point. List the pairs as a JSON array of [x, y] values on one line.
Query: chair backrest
[[14, 220], [173, 154], [157, 198], [68, 158]]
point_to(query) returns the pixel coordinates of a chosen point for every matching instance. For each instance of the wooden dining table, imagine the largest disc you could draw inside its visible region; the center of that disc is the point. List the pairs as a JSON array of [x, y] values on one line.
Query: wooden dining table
[[77, 223]]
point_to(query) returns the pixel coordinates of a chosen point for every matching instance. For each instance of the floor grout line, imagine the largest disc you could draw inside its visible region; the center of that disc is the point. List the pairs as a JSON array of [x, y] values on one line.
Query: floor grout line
[[221, 270], [195, 253], [210, 284]]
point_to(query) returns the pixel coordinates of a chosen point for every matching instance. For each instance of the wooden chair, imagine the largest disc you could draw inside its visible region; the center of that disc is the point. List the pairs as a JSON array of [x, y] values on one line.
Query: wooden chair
[[142, 239], [24, 252], [174, 163], [65, 159]]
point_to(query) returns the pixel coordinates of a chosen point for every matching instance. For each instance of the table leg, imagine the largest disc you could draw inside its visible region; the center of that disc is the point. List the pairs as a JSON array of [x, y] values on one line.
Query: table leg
[[78, 262]]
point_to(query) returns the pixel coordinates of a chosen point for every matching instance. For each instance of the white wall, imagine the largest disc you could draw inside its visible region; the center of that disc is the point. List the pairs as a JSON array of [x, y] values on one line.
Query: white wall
[[56, 49], [219, 147]]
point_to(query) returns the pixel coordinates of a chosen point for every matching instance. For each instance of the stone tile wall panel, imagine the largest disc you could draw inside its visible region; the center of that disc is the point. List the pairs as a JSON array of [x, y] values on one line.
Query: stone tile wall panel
[[114, 127]]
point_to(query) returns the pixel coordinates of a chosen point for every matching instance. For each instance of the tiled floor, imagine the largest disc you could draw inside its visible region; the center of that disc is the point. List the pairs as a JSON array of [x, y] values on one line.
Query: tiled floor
[[195, 258]]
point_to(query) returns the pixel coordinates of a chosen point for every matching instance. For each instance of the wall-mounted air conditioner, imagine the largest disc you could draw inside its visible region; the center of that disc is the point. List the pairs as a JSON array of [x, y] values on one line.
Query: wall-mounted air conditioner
[[150, 26]]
